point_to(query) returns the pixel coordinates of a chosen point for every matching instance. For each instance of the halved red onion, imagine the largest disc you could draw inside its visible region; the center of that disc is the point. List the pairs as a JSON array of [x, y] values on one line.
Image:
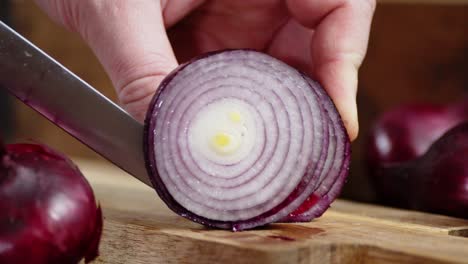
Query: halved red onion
[[238, 139]]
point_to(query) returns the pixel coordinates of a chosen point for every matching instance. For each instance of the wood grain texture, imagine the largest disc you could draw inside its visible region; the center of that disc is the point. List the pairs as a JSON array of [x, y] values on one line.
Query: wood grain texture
[[140, 229]]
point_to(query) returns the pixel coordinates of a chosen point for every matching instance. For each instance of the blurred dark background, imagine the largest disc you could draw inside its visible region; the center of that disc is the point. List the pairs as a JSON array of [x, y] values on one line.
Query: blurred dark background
[[418, 52], [5, 102]]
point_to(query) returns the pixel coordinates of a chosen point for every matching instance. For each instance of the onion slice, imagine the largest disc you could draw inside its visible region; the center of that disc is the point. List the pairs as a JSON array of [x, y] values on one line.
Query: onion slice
[[237, 139]]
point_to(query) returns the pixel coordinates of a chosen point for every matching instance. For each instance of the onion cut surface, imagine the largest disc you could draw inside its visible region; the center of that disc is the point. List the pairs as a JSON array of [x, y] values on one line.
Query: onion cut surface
[[237, 139]]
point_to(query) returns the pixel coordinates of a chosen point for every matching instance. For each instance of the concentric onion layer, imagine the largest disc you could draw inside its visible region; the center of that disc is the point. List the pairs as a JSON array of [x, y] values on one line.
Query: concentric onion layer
[[238, 139], [335, 170]]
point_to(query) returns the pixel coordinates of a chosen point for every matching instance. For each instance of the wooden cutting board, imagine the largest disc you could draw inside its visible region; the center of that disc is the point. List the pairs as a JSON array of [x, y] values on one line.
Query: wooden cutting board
[[138, 228]]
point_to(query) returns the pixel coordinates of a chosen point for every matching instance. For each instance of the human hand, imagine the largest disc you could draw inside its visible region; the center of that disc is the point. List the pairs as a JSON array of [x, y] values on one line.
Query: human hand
[[325, 38]]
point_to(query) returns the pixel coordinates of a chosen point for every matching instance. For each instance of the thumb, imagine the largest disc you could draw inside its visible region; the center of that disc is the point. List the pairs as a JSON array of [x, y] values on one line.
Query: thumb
[[129, 39], [339, 44]]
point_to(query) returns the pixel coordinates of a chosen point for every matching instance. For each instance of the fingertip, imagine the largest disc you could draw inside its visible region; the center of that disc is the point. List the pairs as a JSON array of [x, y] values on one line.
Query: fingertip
[[352, 127], [340, 80], [348, 113]]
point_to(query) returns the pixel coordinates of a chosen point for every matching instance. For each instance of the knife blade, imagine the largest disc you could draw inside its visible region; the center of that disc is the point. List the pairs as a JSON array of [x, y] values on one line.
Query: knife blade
[[48, 87]]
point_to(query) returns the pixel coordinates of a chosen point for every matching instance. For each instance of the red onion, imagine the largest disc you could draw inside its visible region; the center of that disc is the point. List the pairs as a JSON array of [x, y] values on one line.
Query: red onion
[[48, 210], [406, 132], [435, 182], [416, 157], [238, 139]]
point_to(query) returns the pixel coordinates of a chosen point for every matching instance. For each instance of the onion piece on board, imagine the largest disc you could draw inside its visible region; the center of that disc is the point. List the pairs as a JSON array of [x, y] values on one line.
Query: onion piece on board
[[238, 139]]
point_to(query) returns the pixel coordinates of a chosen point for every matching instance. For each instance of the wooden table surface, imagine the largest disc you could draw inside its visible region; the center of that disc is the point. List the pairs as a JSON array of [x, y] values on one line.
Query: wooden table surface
[[140, 229]]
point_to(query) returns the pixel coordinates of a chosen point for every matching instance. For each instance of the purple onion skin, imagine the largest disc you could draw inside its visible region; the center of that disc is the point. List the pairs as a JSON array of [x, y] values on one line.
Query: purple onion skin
[[406, 132], [48, 210], [435, 182]]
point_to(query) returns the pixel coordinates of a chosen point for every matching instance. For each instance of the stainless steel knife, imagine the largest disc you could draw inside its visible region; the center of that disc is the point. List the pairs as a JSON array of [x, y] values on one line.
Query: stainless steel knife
[[62, 97]]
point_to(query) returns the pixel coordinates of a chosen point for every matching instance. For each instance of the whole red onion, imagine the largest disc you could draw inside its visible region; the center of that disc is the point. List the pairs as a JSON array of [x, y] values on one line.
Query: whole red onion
[[417, 158], [48, 213]]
